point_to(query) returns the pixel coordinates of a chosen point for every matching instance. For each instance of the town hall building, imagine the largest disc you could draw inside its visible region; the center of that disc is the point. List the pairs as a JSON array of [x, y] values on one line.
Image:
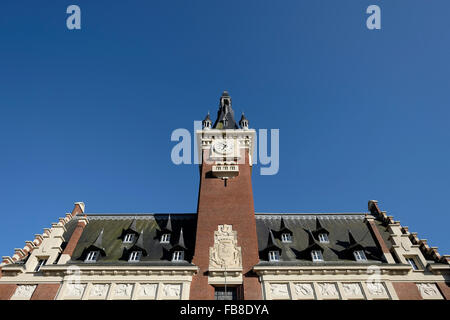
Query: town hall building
[[226, 250]]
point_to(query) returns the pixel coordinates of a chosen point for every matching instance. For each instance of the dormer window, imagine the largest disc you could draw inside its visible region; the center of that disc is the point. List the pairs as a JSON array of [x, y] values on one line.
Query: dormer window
[[165, 238], [135, 256], [41, 263], [316, 255], [92, 256], [129, 237], [274, 256], [178, 256], [286, 237], [359, 255], [323, 238]]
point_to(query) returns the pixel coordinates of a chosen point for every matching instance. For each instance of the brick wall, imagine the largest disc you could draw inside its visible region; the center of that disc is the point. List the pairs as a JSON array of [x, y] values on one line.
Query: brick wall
[[445, 289], [45, 291], [230, 204], [7, 290], [407, 291]]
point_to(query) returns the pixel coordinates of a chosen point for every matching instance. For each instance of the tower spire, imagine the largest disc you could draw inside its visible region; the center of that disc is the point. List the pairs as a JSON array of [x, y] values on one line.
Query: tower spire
[[225, 115]]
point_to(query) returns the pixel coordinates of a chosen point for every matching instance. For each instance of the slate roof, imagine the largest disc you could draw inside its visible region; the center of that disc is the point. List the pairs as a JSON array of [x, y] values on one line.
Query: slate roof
[[303, 227], [149, 228], [225, 115]]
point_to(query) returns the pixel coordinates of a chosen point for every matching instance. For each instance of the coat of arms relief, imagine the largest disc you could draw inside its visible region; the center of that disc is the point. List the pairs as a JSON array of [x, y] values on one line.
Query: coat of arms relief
[[225, 254]]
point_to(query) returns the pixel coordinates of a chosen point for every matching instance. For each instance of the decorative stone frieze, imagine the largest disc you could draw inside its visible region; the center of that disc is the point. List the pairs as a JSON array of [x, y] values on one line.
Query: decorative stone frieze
[[23, 292], [429, 291]]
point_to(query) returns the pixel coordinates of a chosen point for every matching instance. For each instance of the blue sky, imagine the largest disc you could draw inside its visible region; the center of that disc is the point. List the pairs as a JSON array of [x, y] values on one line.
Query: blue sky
[[87, 115]]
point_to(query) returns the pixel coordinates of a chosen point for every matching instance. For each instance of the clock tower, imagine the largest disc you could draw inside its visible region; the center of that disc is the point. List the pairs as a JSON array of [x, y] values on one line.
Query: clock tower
[[226, 242]]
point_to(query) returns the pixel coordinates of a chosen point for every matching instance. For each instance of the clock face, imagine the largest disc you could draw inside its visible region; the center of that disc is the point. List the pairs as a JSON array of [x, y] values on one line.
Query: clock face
[[223, 146]]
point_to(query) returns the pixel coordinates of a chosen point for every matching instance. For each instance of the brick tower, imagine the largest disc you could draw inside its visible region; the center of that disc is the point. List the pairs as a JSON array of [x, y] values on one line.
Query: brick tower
[[226, 242]]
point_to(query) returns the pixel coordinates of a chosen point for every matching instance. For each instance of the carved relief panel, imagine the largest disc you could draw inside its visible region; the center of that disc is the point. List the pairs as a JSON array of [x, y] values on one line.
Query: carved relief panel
[[123, 290], [327, 290], [99, 291], [279, 291], [225, 254], [147, 291], [304, 290], [23, 292], [429, 291], [171, 291]]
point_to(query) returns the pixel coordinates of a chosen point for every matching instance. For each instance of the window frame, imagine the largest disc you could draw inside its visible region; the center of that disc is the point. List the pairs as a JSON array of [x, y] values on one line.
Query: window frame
[[135, 256], [323, 238], [40, 264], [359, 255], [316, 256], [163, 238], [178, 255], [414, 265], [129, 238], [92, 256], [286, 237], [274, 255]]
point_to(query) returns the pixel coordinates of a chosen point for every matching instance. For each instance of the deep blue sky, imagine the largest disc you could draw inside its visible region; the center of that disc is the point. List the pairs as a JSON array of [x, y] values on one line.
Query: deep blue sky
[[87, 115]]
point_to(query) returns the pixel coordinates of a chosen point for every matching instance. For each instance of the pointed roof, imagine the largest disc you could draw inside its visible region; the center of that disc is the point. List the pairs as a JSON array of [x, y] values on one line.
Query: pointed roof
[[181, 241], [98, 242], [319, 228], [133, 225], [168, 226], [225, 115], [283, 226], [271, 243], [207, 118], [140, 240]]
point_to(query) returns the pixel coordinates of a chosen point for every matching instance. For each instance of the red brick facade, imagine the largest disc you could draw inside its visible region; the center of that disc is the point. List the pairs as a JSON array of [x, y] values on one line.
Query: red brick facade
[[226, 204], [45, 291], [445, 289], [74, 238], [7, 290], [407, 291]]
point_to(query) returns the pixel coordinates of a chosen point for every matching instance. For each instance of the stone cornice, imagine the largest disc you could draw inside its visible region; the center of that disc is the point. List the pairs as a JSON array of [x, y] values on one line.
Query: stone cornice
[[300, 270], [118, 270]]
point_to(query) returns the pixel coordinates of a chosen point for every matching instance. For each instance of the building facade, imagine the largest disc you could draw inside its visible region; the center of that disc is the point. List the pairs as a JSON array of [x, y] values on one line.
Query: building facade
[[225, 250]]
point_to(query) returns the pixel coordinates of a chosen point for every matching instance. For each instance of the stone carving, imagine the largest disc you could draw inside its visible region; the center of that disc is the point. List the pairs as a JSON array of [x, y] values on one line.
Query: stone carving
[[428, 290], [99, 290], [75, 289], [279, 290], [24, 291], [225, 253], [123, 290], [303, 289], [376, 288], [352, 289], [172, 290], [148, 289], [328, 289]]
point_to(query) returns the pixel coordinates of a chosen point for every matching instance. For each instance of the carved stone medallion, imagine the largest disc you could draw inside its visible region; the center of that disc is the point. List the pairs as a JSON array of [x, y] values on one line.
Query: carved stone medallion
[[148, 290], [123, 290], [376, 288], [75, 289], [99, 290], [172, 290], [225, 254], [24, 292], [429, 291], [352, 289], [279, 290], [328, 290], [304, 290]]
